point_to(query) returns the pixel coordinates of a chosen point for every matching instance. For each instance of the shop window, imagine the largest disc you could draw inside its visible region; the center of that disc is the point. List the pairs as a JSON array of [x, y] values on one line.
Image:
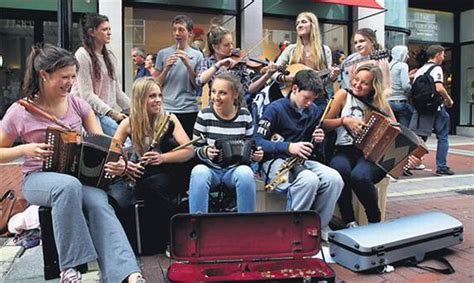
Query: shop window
[[144, 29]]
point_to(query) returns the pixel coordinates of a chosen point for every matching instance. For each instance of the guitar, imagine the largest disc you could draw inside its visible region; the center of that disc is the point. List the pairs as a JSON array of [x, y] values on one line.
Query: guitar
[[323, 74]]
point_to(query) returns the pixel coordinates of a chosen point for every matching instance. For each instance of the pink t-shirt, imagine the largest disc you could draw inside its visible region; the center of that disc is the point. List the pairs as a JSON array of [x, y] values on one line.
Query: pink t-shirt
[[31, 128]]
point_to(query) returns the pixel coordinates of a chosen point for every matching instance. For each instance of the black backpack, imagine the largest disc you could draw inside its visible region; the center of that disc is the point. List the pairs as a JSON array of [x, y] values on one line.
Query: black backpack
[[425, 98]]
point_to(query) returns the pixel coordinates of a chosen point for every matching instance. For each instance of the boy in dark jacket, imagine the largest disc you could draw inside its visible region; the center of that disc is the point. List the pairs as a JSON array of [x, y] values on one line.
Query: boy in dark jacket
[[285, 131]]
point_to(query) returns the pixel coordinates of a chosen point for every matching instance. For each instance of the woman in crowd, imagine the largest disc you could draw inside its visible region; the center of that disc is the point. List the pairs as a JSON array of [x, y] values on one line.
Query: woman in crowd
[[401, 79], [158, 176], [150, 61], [85, 225], [223, 119], [97, 80], [347, 116], [220, 46], [365, 43]]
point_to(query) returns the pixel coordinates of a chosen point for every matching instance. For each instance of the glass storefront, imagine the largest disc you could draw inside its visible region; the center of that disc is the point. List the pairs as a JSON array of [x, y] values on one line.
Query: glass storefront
[[22, 23], [144, 29]]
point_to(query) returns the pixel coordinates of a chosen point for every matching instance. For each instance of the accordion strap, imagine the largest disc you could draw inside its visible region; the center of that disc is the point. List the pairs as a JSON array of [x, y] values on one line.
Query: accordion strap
[[366, 102]]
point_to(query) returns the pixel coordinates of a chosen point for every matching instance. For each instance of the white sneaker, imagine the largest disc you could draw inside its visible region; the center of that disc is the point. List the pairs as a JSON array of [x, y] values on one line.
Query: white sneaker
[[420, 167], [325, 233], [352, 224]]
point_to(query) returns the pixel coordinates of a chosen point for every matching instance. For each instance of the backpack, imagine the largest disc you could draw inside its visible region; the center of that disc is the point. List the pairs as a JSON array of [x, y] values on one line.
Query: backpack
[[425, 98]]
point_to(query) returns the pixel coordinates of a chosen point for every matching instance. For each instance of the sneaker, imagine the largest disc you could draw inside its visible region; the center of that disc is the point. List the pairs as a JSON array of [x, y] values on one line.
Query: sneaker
[[352, 224], [325, 233], [446, 171], [71, 275], [140, 279], [407, 173], [420, 167]]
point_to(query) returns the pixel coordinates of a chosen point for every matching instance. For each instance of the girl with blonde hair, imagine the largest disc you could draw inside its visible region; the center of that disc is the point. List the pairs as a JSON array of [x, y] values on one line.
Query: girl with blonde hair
[[156, 169], [347, 115], [308, 49]]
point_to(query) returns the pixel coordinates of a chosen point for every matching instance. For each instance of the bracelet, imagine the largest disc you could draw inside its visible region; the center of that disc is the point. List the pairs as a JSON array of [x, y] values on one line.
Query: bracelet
[[215, 67], [342, 121]]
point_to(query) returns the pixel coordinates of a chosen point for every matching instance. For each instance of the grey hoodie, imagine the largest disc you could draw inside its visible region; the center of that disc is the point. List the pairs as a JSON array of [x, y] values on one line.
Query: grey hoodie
[[399, 73]]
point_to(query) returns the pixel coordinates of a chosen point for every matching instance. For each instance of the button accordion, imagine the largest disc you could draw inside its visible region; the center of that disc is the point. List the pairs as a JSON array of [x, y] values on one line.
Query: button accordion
[[234, 152], [83, 157], [388, 145]]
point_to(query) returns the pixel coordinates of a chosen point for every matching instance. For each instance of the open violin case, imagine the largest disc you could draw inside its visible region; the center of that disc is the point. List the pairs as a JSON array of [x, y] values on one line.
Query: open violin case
[[270, 246]]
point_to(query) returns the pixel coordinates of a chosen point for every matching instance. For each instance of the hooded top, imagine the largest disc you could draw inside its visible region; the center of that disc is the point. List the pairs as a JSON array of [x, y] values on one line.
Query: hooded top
[[399, 73]]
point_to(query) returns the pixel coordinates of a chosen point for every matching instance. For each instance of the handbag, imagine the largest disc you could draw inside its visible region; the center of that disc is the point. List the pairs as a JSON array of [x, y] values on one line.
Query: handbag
[[10, 204]]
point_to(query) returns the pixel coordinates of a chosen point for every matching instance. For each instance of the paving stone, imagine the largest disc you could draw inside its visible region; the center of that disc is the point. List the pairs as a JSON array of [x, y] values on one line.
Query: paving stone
[[91, 277], [8, 253]]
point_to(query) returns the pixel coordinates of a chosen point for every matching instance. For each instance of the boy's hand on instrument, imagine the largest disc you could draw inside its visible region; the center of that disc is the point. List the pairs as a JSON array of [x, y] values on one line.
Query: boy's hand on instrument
[[181, 54], [302, 149], [171, 61], [153, 158], [257, 155], [318, 135], [37, 151], [211, 152], [115, 168], [135, 170]]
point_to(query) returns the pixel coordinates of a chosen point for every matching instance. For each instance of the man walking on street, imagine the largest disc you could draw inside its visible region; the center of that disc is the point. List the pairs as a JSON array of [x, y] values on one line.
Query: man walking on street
[[423, 124]]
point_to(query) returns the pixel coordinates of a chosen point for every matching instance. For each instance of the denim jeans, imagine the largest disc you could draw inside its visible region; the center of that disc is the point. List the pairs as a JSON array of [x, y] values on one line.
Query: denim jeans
[[316, 187], [361, 176], [441, 129], [109, 126], [85, 225], [403, 111], [203, 178]]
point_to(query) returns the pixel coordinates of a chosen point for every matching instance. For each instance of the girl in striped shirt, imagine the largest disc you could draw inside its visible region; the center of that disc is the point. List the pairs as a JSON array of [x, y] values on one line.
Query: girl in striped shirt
[[224, 119]]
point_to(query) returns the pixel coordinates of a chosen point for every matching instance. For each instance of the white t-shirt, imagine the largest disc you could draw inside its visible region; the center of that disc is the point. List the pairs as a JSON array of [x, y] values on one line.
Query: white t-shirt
[[436, 73]]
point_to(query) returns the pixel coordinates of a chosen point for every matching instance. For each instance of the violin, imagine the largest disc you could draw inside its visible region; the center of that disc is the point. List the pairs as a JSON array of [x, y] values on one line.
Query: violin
[[253, 63]]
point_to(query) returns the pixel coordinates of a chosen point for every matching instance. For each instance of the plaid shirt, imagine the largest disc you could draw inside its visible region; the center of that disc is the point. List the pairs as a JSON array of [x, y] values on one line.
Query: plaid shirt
[[239, 71]]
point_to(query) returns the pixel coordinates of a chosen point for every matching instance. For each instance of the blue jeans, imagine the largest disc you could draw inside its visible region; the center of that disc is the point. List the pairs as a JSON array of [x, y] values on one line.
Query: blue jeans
[[109, 126], [441, 129], [85, 225], [316, 187], [403, 111], [203, 178], [361, 176]]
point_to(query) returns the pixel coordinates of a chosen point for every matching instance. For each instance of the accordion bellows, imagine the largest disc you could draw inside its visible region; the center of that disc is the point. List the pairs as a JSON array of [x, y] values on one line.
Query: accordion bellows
[[388, 145], [83, 157]]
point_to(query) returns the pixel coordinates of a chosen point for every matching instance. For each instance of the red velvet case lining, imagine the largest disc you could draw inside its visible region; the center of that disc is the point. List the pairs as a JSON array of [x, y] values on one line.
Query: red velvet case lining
[[246, 246]]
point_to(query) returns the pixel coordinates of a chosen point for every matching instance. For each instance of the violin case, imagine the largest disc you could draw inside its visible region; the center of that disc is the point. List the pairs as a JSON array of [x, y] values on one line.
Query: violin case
[[370, 246], [267, 246]]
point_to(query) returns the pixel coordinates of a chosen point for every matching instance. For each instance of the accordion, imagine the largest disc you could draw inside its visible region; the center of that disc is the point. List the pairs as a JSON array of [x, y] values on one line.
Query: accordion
[[82, 157], [234, 152], [388, 145]]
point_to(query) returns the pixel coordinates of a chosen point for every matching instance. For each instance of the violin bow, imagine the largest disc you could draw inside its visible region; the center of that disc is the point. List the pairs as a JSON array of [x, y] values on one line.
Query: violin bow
[[256, 44]]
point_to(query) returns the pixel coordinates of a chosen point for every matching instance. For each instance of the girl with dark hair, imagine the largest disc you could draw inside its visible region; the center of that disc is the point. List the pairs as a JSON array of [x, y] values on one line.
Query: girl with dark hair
[[365, 42], [97, 80], [85, 225], [150, 62], [220, 47], [223, 119]]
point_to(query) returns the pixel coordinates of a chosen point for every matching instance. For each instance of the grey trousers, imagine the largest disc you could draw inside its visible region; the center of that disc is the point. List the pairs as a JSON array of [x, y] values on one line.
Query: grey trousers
[[85, 225], [317, 187]]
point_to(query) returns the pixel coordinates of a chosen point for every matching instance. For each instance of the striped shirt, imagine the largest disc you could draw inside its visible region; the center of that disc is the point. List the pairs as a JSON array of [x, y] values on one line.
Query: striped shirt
[[214, 128]]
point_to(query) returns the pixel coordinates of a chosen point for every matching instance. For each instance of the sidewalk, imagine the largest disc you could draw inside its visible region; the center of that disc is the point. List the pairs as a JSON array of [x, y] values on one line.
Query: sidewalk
[[409, 195]]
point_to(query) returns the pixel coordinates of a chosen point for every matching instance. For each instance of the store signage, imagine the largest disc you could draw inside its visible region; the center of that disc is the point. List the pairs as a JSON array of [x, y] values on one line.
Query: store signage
[[423, 26]]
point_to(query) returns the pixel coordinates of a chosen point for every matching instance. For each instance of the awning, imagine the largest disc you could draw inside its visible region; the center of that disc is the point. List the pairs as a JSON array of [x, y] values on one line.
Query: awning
[[358, 3]]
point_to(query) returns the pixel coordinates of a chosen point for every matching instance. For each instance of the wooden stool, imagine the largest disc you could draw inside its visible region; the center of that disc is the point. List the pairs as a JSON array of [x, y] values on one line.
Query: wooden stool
[[359, 210]]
